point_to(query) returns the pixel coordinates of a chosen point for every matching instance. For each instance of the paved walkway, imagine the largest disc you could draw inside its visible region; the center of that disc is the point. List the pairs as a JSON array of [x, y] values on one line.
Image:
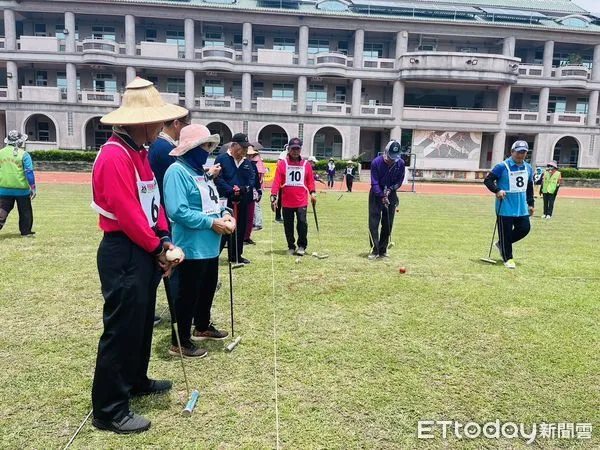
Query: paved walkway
[[421, 188]]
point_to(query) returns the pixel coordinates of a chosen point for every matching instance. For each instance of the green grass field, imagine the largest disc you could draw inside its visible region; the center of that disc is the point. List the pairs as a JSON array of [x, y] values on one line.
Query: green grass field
[[363, 352]]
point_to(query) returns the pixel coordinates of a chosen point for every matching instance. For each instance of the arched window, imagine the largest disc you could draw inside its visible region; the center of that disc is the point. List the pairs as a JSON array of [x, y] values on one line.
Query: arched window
[[575, 21], [332, 5]]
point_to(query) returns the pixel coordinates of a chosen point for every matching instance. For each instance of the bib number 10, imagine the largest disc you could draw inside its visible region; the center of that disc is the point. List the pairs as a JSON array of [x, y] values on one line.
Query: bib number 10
[[296, 176]]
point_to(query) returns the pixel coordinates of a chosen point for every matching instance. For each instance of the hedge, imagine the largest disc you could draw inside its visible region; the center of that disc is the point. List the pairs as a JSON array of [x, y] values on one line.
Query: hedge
[[63, 155], [569, 172]]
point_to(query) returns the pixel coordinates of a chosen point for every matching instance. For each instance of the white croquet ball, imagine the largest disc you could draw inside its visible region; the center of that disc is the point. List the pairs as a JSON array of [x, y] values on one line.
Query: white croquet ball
[[175, 254], [297, 260]]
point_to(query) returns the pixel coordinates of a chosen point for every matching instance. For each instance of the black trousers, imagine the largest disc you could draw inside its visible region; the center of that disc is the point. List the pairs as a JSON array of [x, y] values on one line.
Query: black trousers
[[197, 285], [549, 200], [278, 208], [511, 230], [349, 182], [378, 214], [234, 252], [129, 277], [330, 180], [7, 203], [301, 226]]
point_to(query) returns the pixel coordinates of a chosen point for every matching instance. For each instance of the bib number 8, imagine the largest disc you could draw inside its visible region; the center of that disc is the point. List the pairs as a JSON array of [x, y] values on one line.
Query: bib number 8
[[520, 182]]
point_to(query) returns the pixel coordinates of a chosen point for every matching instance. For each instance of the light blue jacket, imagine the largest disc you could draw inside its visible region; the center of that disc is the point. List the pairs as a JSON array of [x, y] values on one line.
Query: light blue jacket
[[515, 204], [191, 227]]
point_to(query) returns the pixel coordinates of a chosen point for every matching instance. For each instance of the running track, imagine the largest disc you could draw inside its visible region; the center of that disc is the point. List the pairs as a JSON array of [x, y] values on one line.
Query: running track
[[421, 188]]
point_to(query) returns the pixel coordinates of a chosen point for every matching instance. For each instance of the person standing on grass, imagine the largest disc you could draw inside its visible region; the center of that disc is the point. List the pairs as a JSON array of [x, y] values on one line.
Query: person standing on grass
[[549, 189], [17, 182], [236, 183], [330, 173], [293, 183], [254, 205], [282, 157], [351, 173], [512, 183], [131, 257], [192, 203], [387, 175]]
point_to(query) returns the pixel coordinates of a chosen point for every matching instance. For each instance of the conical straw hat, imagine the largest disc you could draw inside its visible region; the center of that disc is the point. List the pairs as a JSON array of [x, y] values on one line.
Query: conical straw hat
[[142, 104]]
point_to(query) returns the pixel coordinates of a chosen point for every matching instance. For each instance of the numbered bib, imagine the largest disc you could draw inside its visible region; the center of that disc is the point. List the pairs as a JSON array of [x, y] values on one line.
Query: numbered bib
[[150, 200], [349, 171], [208, 194], [294, 176], [517, 180]]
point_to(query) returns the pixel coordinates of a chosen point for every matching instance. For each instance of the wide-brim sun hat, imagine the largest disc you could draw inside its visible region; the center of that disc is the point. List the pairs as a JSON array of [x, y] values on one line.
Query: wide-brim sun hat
[[142, 104], [553, 164], [193, 136], [251, 151]]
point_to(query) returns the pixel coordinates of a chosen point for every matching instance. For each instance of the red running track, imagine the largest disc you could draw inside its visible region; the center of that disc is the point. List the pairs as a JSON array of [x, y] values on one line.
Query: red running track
[[421, 188]]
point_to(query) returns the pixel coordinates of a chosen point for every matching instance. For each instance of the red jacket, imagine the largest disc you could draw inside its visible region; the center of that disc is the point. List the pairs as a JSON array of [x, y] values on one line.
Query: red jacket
[[293, 196], [115, 190]]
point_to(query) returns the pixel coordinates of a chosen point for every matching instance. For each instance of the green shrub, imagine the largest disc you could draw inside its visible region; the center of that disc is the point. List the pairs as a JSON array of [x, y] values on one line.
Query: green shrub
[[62, 155], [570, 172]]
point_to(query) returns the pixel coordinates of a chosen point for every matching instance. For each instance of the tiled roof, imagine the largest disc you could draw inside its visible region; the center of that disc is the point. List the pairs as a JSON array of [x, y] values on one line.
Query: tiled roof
[[564, 6]]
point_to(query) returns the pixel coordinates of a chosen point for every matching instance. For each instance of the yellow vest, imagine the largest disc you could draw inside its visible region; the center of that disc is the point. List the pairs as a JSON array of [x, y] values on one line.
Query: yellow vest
[[12, 175], [550, 182]]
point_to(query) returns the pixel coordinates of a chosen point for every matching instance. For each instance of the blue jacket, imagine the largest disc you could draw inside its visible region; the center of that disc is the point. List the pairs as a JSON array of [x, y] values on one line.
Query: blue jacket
[[243, 176], [160, 161], [515, 204]]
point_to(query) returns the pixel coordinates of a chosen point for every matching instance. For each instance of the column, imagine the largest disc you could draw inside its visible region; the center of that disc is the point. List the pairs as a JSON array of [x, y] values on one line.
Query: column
[[395, 134], [301, 95], [72, 94], [356, 96], [12, 80], [70, 27], [190, 35], [498, 150], [503, 104], [535, 153], [247, 43], [508, 47], [130, 35], [359, 44], [190, 89], [131, 74], [548, 56], [592, 108], [246, 92], [10, 30], [398, 100], [596, 64], [543, 105], [303, 46], [401, 46]]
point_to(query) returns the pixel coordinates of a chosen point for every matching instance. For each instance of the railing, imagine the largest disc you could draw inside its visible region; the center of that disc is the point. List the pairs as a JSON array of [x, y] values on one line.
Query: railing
[[217, 53], [2, 43], [100, 97], [158, 50], [40, 94], [216, 103], [331, 59], [523, 116], [378, 63], [531, 70], [566, 118], [451, 114], [3, 92], [274, 105], [38, 44], [336, 109], [572, 71], [270, 56], [99, 45], [376, 110]]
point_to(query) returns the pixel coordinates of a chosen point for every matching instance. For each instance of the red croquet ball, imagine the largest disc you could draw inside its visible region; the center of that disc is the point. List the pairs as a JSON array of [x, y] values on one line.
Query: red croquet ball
[[402, 269]]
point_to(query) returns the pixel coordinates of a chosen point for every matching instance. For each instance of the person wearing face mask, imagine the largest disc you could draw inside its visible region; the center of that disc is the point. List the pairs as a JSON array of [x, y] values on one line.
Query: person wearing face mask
[[330, 173], [192, 203], [512, 183], [131, 256], [549, 190]]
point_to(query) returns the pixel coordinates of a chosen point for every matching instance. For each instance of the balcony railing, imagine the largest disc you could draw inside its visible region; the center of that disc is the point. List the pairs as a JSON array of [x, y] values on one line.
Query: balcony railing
[[97, 97], [274, 105], [99, 45], [376, 110], [531, 70], [3, 93], [218, 103], [331, 59], [43, 94], [522, 116], [440, 114], [330, 109], [219, 53], [159, 50], [378, 63], [581, 72], [565, 118], [276, 57], [38, 44]]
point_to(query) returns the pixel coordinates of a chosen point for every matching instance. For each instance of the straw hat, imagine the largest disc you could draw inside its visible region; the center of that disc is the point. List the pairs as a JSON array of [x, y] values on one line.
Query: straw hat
[[142, 104], [193, 136], [252, 151]]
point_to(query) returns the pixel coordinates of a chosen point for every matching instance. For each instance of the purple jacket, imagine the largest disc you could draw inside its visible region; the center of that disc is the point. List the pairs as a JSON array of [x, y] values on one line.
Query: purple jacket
[[384, 176]]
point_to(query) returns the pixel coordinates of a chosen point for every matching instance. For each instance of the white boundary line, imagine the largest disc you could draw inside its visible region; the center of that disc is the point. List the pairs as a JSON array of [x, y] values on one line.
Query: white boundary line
[[274, 336]]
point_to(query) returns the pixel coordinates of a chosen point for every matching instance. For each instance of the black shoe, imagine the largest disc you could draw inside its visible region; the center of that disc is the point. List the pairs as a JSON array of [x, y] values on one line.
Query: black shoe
[[157, 320], [130, 423], [244, 260], [154, 387], [279, 220], [249, 241], [211, 333]]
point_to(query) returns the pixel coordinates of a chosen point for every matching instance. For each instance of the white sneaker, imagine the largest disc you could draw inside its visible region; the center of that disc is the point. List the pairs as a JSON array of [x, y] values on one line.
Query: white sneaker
[[300, 251], [373, 256], [291, 251], [548, 217], [544, 216], [510, 264]]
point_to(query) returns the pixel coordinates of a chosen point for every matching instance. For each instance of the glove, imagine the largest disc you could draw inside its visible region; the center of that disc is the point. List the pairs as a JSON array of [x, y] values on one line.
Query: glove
[[33, 191], [313, 198]]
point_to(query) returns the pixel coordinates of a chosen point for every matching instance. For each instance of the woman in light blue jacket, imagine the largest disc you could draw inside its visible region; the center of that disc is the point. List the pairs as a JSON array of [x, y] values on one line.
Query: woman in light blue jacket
[[192, 204]]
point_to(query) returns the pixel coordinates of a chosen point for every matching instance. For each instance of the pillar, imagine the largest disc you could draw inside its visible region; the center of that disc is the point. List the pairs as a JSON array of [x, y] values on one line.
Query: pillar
[[246, 92], [72, 94], [543, 105], [130, 44], [548, 56], [131, 74], [359, 44], [71, 45], [398, 100], [401, 46], [247, 43], [508, 46], [356, 96], [190, 89], [190, 35], [301, 95], [503, 103], [498, 150], [12, 82], [596, 64], [592, 108], [10, 30], [303, 46]]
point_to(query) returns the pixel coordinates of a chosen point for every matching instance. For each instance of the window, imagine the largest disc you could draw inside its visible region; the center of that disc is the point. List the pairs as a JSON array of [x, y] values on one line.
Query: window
[[318, 46], [259, 42], [151, 35], [575, 22], [427, 47], [213, 88], [582, 106], [284, 44], [43, 132], [340, 94], [213, 39], [278, 140], [316, 93], [236, 89], [332, 5], [342, 47], [258, 89], [373, 50], [237, 41], [557, 104], [282, 90], [106, 33], [61, 83], [105, 82], [153, 79], [176, 37], [176, 86], [39, 29], [534, 103], [41, 78], [60, 31]]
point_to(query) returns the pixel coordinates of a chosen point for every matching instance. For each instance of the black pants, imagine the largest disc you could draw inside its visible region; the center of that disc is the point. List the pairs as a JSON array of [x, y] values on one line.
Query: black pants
[[278, 208], [301, 227], [7, 203], [234, 252], [379, 214], [511, 230], [197, 284], [349, 182], [549, 200], [329, 180], [129, 277]]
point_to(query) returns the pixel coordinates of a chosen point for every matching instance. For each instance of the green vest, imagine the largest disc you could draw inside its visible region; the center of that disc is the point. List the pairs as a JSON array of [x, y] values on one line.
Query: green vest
[[12, 175], [550, 182]]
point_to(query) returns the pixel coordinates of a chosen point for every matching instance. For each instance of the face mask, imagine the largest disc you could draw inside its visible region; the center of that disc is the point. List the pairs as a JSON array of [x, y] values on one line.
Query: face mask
[[196, 157]]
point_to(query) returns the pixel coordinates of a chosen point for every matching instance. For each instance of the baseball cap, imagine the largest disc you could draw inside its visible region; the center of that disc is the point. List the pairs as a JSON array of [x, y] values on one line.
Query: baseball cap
[[241, 139], [392, 150], [520, 146], [295, 143]]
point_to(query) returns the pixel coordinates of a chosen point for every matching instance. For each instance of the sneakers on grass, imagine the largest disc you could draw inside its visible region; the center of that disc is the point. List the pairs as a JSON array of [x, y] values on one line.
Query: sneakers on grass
[[188, 352], [300, 251], [373, 257], [211, 333], [510, 264]]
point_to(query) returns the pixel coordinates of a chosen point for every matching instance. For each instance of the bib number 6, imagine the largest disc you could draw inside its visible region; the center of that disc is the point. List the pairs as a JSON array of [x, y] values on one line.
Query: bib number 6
[[155, 210]]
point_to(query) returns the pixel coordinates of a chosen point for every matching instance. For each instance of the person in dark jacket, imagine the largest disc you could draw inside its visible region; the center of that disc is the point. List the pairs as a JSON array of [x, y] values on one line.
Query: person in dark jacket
[[351, 173], [256, 195], [330, 173], [235, 184]]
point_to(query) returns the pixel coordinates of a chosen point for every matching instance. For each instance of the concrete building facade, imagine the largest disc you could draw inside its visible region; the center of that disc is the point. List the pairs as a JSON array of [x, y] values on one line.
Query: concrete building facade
[[457, 82]]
